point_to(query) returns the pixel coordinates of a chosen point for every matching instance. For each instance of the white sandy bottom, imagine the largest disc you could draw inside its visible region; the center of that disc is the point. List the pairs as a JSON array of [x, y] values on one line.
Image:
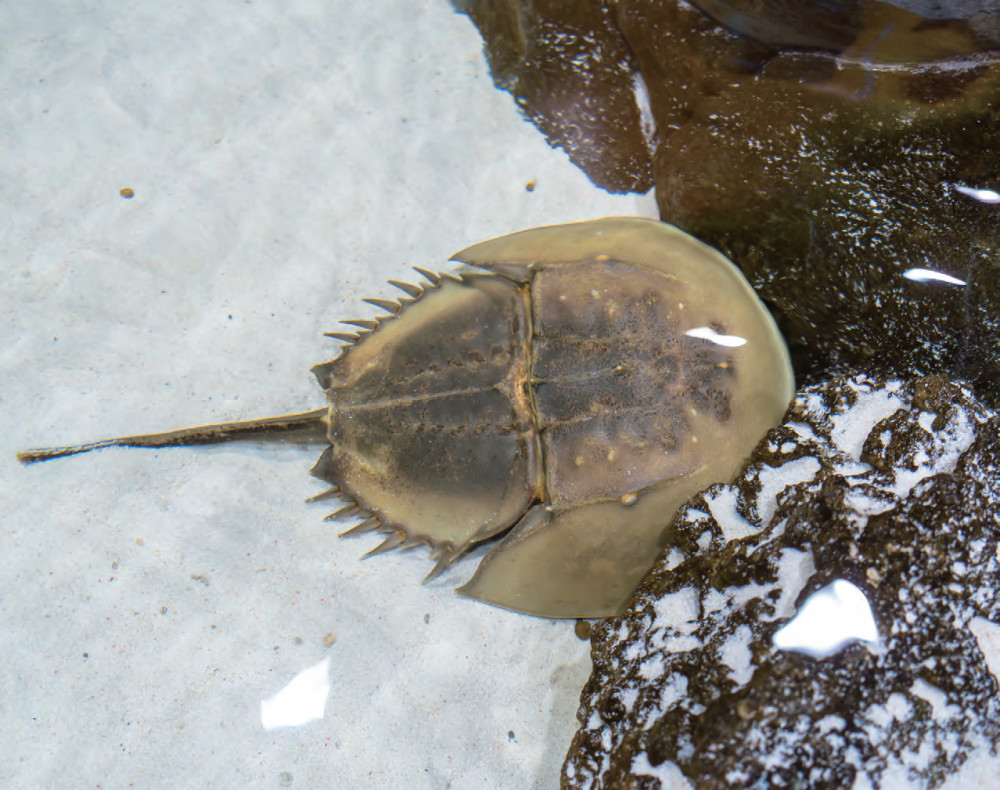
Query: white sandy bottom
[[286, 159]]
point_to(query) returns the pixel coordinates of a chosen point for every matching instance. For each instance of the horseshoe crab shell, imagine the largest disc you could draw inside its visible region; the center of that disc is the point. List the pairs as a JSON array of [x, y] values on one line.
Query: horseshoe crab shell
[[572, 393]]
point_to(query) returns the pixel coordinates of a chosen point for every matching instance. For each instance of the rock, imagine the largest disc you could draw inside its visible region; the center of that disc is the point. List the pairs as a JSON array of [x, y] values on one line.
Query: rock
[[955, 26], [893, 487], [572, 75]]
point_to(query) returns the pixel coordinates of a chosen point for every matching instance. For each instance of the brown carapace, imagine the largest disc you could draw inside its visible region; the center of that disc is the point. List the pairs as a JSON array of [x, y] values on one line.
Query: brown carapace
[[571, 393]]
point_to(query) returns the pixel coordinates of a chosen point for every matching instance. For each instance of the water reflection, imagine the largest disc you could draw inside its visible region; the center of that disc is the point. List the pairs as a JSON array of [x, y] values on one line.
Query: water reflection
[[982, 195], [301, 701], [929, 275], [707, 333], [828, 621]]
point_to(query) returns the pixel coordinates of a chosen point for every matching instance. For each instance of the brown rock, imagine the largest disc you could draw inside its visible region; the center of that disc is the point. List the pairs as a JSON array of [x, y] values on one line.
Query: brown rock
[[889, 486]]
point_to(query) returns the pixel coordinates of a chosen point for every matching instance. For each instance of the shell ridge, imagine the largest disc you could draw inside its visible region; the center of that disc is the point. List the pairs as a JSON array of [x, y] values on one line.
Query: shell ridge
[[350, 509], [369, 325], [375, 522], [410, 289], [330, 493], [395, 539], [346, 337], [531, 317], [433, 278], [445, 557], [489, 530], [515, 272], [368, 525], [365, 324], [384, 304]]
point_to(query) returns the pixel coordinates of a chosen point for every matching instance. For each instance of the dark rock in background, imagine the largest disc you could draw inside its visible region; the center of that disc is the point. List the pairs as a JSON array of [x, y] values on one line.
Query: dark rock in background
[[825, 174], [571, 73], [955, 26], [890, 486]]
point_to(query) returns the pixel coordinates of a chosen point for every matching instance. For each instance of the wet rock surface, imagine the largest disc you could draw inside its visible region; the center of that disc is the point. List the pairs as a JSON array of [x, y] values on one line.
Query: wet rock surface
[[829, 173], [887, 485], [958, 26], [572, 75]]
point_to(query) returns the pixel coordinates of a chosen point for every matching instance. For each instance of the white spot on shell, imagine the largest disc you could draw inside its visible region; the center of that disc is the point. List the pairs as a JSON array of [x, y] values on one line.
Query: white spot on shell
[[709, 334]]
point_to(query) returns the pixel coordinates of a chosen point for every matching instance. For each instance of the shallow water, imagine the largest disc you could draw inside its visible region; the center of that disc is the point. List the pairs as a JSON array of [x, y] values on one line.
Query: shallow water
[[194, 194]]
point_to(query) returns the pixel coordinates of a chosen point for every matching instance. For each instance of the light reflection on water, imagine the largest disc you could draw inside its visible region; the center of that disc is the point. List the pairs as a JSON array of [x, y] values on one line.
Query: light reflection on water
[[301, 701], [707, 333], [982, 195], [929, 275], [828, 621]]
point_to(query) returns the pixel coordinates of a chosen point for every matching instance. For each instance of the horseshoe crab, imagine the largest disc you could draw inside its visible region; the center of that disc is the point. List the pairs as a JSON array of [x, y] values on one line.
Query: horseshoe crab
[[572, 392]]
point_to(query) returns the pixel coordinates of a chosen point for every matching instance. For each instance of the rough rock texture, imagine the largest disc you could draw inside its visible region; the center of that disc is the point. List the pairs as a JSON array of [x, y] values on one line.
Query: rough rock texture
[[890, 486], [826, 175], [963, 25], [571, 73]]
